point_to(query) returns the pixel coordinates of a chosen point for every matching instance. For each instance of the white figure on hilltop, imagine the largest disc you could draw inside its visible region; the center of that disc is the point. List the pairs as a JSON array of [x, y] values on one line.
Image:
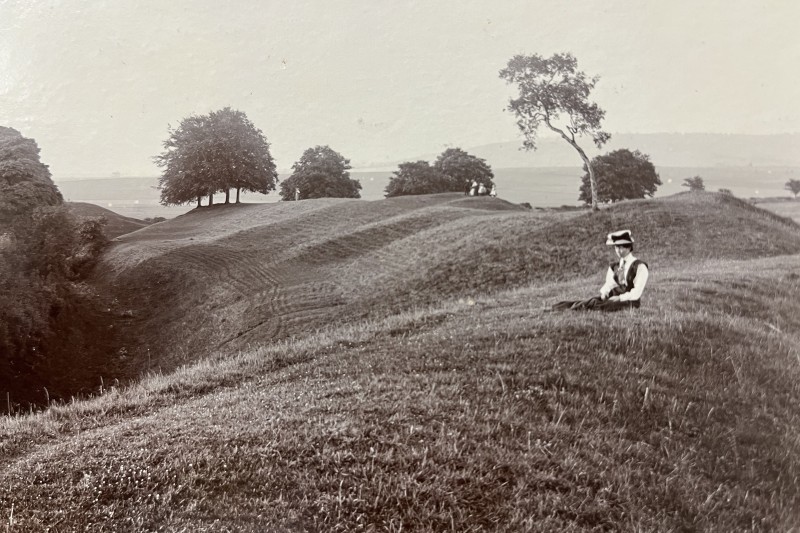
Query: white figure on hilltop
[[493, 193]]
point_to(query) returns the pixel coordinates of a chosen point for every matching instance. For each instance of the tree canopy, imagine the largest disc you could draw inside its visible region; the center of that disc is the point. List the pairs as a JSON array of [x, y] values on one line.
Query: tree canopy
[[321, 172], [553, 92], [620, 175], [214, 153], [419, 178], [25, 182], [793, 186], [695, 183], [463, 168]]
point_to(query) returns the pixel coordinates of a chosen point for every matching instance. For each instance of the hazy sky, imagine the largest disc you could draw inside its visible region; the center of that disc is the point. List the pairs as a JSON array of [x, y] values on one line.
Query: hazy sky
[[97, 83]]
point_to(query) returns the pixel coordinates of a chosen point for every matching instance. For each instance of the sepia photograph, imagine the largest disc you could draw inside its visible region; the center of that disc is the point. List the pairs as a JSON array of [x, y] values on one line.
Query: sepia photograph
[[399, 266]]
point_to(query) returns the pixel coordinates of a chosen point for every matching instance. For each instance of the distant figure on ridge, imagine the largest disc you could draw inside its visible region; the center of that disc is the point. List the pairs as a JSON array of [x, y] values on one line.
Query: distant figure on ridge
[[473, 190], [493, 193], [296, 193], [625, 280], [467, 188], [481, 190]]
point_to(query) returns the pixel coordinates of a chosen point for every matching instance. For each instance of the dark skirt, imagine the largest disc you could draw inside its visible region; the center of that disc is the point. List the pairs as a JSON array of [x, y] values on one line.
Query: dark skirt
[[595, 304]]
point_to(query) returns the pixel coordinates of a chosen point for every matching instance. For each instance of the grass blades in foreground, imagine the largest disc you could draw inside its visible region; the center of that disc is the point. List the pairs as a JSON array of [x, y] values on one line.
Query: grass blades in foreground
[[475, 415]]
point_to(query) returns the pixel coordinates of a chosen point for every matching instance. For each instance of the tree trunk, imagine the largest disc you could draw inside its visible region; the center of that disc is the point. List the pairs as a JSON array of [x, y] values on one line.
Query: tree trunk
[[237, 194], [211, 198], [227, 196], [592, 183], [198, 201]]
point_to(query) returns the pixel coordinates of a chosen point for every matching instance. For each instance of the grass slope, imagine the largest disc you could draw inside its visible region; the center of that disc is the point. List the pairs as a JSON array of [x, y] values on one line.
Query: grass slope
[[786, 207], [463, 407], [242, 274], [116, 224]]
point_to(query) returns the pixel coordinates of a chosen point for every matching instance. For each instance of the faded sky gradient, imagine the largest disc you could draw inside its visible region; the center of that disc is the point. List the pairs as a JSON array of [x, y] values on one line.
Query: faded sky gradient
[[97, 83]]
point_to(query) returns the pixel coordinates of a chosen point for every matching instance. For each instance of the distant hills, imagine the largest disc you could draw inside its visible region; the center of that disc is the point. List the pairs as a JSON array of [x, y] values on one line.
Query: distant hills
[[748, 165], [664, 149]]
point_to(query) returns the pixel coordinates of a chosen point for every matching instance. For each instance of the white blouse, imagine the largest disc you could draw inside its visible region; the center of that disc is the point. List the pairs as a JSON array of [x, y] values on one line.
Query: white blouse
[[639, 281]]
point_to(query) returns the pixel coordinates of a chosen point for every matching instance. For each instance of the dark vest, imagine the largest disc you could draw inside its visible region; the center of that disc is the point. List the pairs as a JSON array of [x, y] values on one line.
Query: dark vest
[[627, 284]]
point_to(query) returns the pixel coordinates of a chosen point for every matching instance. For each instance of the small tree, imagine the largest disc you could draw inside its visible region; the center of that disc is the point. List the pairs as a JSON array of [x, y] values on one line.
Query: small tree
[[463, 168], [215, 153], [321, 172], [554, 92], [694, 183], [621, 175], [726, 191], [793, 186], [417, 178]]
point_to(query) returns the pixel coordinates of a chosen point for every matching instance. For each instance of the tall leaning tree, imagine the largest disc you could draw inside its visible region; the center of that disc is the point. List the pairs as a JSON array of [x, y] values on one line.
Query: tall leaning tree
[[553, 92]]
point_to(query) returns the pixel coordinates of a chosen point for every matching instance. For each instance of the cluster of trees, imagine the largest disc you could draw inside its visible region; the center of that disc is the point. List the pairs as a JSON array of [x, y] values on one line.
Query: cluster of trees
[[453, 170], [619, 175], [215, 153], [224, 151], [45, 252]]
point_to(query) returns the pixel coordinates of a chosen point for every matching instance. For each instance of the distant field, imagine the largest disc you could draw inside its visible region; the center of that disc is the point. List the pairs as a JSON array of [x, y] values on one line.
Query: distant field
[[784, 208], [556, 186], [539, 186]]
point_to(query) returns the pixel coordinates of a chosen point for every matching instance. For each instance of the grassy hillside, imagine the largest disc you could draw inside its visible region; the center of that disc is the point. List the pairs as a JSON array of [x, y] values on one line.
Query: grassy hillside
[[116, 225], [786, 207], [222, 278], [390, 366]]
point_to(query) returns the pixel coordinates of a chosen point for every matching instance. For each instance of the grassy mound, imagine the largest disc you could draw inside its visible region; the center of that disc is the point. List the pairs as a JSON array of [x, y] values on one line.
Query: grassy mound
[[469, 256], [247, 273], [219, 279], [116, 224], [467, 415]]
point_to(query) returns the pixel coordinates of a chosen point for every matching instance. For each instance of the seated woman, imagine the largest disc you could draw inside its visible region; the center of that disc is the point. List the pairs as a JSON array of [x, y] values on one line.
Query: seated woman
[[625, 280]]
